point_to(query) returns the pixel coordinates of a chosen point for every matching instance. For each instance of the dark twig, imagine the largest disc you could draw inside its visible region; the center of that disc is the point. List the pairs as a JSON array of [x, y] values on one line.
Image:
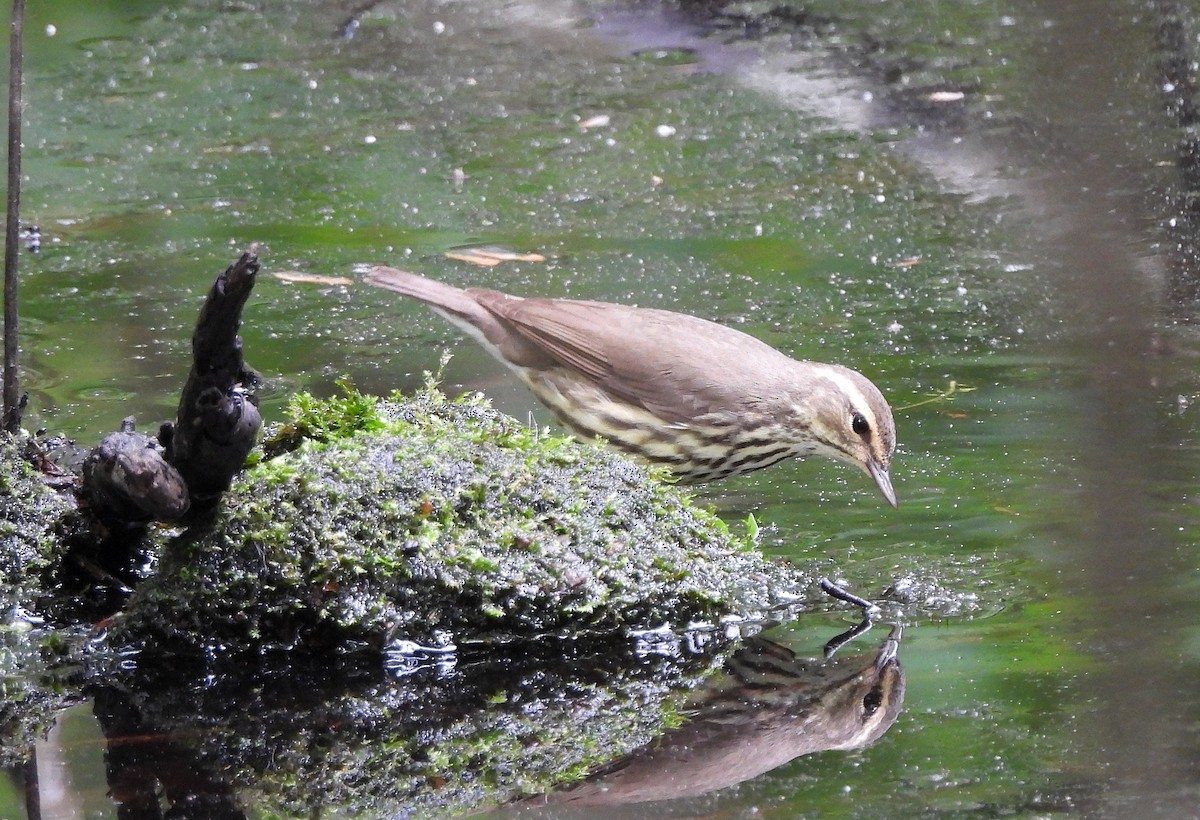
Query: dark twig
[[842, 638], [33, 787], [217, 424], [12, 228], [870, 612]]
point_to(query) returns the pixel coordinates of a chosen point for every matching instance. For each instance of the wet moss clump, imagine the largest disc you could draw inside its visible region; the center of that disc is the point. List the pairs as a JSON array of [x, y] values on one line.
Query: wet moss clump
[[30, 515], [431, 520]]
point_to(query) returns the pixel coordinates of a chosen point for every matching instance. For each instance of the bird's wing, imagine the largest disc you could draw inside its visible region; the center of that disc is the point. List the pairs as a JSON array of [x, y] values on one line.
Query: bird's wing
[[674, 365], [575, 334]]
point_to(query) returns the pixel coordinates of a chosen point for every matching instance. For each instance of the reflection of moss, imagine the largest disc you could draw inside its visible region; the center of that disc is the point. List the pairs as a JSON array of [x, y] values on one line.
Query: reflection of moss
[[20, 716], [31, 693], [304, 738], [425, 517]]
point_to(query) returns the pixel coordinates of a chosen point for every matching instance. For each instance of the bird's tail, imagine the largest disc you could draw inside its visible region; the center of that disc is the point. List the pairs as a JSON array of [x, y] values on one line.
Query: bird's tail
[[447, 299], [430, 291], [456, 304]]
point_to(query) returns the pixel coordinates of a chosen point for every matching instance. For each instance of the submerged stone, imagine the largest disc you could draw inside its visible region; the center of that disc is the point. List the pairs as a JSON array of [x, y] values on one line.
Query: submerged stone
[[435, 521]]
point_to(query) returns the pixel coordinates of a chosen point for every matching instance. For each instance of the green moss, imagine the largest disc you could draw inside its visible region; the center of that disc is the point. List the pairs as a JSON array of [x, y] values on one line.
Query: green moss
[[313, 419], [32, 518]]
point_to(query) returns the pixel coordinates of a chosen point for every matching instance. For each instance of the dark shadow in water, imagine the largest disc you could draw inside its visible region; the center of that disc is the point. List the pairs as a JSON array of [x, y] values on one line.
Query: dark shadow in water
[[145, 768]]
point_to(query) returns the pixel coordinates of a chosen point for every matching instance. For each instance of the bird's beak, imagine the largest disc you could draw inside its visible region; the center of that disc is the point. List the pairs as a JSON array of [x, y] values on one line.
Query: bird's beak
[[889, 652], [883, 480]]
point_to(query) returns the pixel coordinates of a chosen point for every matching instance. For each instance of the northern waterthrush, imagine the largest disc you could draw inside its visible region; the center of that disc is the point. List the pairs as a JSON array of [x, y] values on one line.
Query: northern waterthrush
[[705, 400]]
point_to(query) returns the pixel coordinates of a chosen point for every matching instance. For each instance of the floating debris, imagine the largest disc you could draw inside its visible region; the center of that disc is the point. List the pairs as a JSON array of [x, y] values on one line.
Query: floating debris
[[491, 255], [310, 278], [598, 121]]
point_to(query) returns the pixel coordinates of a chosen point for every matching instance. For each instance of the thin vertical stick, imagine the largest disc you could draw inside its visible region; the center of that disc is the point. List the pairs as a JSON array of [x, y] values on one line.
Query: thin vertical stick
[[12, 228], [33, 787]]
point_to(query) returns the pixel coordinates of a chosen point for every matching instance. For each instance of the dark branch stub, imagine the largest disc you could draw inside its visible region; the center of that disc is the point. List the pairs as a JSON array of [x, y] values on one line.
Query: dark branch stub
[[132, 478], [128, 479], [217, 423]]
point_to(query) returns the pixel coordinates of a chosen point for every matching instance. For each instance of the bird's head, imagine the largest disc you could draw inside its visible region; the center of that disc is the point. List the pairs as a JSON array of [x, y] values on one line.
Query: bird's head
[[850, 420]]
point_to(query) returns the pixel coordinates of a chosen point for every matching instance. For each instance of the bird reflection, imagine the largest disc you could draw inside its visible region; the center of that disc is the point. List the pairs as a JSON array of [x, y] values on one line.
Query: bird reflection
[[769, 708]]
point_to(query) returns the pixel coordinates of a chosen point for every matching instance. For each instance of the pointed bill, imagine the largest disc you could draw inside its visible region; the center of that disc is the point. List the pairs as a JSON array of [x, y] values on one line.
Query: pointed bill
[[882, 480], [889, 652]]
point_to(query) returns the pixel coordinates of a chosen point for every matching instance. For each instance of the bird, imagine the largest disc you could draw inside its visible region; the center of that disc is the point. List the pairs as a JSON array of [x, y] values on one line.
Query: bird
[[702, 399]]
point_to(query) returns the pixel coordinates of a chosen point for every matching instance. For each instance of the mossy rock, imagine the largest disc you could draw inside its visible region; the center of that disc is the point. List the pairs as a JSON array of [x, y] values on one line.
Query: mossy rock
[[30, 517], [431, 520]]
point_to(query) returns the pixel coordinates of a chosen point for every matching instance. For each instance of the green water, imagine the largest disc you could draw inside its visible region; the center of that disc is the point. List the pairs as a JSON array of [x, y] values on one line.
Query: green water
[[1045, 546]]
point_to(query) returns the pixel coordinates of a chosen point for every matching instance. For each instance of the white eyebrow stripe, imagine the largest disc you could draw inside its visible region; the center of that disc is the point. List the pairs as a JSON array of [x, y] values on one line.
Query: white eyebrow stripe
[[858, 399]]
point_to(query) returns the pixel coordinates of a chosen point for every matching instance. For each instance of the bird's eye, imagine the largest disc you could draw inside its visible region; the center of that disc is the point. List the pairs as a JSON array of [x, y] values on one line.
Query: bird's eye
[[859, 424], [872, 702]]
